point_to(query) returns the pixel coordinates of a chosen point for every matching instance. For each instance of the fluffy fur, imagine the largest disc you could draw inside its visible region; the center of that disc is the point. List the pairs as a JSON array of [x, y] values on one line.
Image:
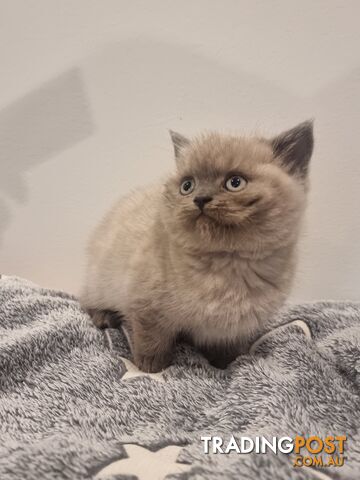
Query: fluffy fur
[[214, 273]]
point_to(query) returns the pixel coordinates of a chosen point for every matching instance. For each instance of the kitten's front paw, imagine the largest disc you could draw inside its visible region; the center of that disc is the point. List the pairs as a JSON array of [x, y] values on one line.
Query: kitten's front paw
[[151, 363]]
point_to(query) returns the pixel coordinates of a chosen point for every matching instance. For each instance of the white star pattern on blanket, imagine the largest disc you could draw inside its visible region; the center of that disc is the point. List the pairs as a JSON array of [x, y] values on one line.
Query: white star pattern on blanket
[[146, 465], [298, 323], [132, 371]]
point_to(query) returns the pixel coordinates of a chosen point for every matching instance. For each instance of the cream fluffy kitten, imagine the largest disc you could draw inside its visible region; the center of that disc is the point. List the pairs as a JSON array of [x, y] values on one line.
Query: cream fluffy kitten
[[210, 253]]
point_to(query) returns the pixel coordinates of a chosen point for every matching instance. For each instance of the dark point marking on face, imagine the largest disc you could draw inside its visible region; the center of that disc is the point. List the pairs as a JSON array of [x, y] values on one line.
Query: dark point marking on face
[[201, 201], [256, 186]]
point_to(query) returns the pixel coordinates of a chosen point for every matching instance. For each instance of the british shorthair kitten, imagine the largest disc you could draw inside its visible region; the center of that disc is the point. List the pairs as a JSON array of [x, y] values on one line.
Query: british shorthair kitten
[[208, 254]]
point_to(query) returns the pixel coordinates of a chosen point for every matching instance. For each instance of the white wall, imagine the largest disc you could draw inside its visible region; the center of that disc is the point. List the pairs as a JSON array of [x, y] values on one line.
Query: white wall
[[88, 89]]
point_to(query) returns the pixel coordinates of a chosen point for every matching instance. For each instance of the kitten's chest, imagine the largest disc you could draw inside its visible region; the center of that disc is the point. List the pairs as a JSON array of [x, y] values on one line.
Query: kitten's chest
[[224, 299], [213, 288], [211, 307]]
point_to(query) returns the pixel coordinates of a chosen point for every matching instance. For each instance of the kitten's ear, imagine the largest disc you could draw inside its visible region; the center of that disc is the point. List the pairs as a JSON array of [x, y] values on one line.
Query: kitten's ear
[[179, 142], [294, 147]]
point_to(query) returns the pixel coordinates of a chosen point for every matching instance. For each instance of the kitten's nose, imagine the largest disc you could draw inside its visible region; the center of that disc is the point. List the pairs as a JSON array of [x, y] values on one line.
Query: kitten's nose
[[200, 201]]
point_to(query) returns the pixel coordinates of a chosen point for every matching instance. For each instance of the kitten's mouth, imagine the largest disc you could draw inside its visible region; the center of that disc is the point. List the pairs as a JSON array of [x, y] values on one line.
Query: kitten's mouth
[[217, 218], [201, 214], [204, 216]]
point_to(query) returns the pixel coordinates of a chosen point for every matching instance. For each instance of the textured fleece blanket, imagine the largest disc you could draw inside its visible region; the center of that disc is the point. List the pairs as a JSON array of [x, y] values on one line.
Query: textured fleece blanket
[[73, 406]]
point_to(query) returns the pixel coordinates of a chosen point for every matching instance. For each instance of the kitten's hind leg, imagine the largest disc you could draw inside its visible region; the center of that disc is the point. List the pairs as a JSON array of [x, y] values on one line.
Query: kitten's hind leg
[[105, 318]]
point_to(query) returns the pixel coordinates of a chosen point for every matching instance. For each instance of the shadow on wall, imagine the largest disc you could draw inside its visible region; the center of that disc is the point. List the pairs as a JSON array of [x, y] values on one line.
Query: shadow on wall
[[36, 127], [143, 87]]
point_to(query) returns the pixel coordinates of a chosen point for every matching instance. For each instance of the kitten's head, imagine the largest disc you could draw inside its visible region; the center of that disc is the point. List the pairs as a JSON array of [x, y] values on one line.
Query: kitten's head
[[244, 194]]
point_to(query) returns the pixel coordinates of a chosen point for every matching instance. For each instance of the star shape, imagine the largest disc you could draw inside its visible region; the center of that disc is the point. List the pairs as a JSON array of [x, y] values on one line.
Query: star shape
[[146, 465], [132, 372], [299, 323]]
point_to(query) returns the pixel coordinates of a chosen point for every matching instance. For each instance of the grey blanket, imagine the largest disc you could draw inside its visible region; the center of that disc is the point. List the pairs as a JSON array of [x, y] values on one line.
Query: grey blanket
[[73, 406]]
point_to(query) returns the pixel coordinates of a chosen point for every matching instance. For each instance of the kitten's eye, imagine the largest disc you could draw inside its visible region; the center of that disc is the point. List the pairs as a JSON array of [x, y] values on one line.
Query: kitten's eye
[[187, 186], [235, 183]]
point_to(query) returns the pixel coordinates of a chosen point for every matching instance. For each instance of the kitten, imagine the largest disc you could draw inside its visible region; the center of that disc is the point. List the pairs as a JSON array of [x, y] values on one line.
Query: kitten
[[208, 254]]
